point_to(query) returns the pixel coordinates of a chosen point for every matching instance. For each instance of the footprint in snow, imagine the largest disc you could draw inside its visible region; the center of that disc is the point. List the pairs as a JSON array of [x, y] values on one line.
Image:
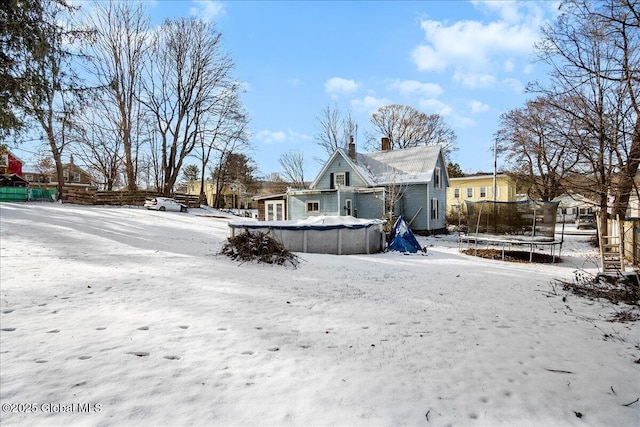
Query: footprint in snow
[[84, 357], [101, 328], [139, 353], [8, 329], [248, 353], [42, 305], [41, 361], [54, 331], [7, 311], [143, 328], [273, 349], [222, 329], [172, 357], [183, 327]]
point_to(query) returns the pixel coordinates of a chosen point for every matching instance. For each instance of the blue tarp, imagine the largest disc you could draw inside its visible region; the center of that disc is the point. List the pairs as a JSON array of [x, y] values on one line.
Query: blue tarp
[[402, 239]]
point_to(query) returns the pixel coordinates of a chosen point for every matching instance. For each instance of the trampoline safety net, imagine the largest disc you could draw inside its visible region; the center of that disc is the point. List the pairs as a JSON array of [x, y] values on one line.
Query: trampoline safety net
[[530, 218]]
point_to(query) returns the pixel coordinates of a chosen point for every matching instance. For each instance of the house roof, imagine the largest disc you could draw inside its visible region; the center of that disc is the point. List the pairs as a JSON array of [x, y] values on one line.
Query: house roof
[[407, 166]]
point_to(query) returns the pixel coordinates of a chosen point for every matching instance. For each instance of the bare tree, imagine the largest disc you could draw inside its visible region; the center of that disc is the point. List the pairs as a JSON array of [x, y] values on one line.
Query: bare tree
[[292, 164], [225, 132], [185, 77], [535, 141], [594, 53], [407, 127], [98, 144], [118, 52], [335, 129]]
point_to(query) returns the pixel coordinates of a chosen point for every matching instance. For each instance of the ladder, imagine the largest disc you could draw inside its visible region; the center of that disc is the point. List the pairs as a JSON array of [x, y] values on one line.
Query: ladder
[[610, 242]]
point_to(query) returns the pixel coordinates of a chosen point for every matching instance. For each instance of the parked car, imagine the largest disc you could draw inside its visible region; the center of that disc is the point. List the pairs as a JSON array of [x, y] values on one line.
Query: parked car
[[164, 204], [586, 221]]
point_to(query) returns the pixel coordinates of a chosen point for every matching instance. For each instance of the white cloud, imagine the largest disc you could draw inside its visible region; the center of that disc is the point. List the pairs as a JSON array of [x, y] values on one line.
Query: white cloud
[[270, 137], [427, 59], [207, 10], [478, 49], [478, 107], [513, 85], [339, 86], [278, 137], [414, 87], [435, 106], [474, 80], [369, 104]]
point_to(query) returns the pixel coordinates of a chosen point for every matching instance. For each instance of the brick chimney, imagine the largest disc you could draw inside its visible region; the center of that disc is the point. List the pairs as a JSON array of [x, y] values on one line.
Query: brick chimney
[[386, 144], [352, 149]]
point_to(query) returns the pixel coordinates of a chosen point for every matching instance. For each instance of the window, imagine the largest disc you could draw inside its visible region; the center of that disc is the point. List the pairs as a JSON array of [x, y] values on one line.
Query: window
[[65, 175], [29, 177], [456, 193], [434, 208], [483, 192], [436, 178], [340, 180], [76, 177], [469, 192], [274, 210], [313, 206]]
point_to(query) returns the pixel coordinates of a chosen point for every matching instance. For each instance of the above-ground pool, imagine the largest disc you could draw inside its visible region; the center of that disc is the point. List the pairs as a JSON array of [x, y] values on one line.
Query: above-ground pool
[[340, 235]]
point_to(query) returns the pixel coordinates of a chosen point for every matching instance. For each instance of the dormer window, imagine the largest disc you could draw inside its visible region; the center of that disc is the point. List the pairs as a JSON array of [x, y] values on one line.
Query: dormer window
[[339, 179]]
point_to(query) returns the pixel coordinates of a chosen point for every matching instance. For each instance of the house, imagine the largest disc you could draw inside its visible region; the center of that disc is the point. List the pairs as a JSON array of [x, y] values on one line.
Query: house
[[475, 188], [234, 194], [10, 164], [410, 182], [573, 204]]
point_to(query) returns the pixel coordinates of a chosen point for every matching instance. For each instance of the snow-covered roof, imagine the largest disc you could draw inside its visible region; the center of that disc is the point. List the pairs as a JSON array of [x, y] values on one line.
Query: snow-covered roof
[[379, 168], [407, 166]]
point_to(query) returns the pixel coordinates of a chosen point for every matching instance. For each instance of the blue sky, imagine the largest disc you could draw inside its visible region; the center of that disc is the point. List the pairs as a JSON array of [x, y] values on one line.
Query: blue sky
[[467, 61]]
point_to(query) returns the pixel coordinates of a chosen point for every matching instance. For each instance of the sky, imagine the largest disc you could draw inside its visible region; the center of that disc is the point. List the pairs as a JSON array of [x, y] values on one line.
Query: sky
[[467, 61]]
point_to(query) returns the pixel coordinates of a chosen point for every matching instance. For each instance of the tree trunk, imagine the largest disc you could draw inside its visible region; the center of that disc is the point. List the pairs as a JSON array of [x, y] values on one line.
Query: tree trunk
[[628, 174]]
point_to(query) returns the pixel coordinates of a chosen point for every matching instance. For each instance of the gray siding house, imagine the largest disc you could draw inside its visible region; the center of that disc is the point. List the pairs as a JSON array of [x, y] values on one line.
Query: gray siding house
[[410, 182]]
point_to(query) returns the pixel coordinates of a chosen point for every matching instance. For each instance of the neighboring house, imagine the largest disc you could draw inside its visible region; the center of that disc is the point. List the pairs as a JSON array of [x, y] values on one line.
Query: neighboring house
[[573, 204], [234, 194], [10, 164], [410, 182], [479, 187]]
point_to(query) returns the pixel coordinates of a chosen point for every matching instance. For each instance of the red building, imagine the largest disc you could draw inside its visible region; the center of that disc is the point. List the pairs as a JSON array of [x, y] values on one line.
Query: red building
[[10, 164]]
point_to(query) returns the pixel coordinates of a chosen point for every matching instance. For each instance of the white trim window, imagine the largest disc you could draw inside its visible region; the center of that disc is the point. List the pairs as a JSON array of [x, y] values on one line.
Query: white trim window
[[434, 208], [313, 206], [340, 179], [469, 192], [456, 193], [483, 192], [274, 210]]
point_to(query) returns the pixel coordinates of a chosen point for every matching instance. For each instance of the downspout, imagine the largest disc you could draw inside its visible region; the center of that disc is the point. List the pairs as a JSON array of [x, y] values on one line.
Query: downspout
[[339, 204]]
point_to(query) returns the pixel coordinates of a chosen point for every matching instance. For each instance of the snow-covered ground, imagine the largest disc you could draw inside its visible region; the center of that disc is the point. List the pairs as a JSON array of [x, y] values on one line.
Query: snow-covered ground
[[122, 316]]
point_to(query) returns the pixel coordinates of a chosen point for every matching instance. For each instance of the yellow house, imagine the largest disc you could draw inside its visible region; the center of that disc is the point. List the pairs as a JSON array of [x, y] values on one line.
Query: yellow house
[[234, 193], [476, 188]]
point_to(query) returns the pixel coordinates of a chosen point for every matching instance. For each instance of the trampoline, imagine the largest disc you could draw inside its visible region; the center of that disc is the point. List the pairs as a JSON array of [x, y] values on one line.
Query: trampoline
[[529, 223]]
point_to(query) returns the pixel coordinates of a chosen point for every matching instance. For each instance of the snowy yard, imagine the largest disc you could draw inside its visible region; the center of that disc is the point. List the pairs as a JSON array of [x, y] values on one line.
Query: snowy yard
[[122, 316]]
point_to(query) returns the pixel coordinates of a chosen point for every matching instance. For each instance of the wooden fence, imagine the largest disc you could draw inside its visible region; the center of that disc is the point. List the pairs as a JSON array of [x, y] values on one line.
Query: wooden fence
[[91, 196]]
